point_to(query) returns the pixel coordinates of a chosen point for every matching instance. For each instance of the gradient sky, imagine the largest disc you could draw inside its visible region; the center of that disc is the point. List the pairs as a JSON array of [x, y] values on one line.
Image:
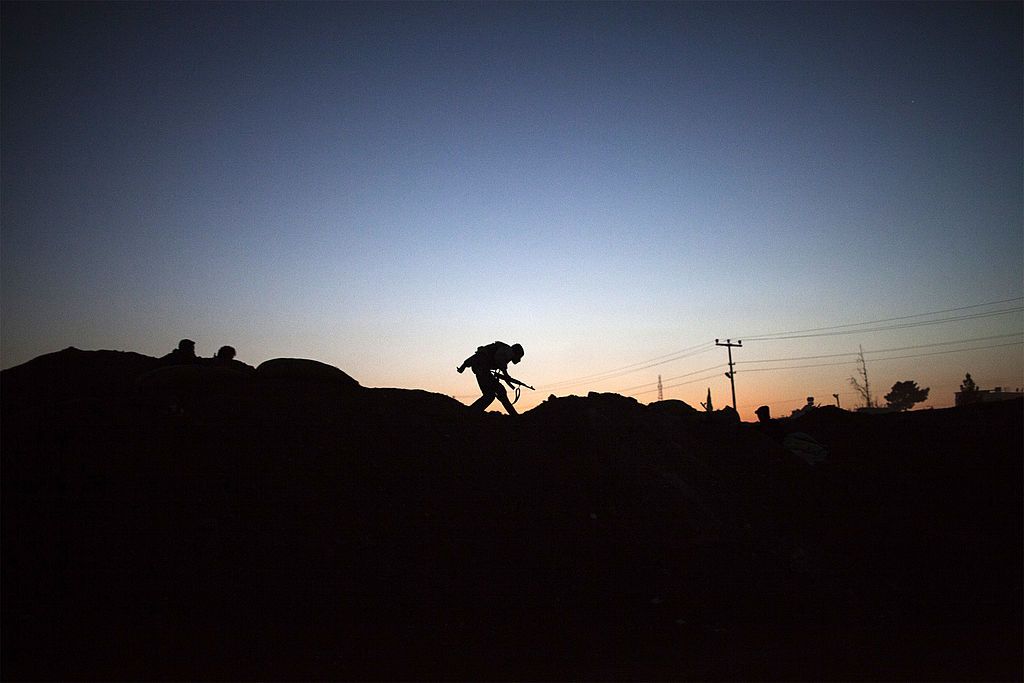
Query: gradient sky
[[384, 187]]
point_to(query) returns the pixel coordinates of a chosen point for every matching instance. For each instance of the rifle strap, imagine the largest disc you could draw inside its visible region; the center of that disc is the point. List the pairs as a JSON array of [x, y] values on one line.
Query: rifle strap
[[513, 387]]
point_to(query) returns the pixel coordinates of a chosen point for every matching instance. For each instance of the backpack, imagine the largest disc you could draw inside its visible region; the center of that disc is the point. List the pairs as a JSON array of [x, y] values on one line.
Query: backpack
[[485, 355]]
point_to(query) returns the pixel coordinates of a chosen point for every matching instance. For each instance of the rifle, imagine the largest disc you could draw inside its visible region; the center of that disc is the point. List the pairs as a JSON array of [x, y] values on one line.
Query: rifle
[[513, 383]]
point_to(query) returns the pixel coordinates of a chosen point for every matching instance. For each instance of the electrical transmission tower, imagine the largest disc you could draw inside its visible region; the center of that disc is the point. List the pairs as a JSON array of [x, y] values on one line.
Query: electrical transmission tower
[[732, 373], [661, 395]]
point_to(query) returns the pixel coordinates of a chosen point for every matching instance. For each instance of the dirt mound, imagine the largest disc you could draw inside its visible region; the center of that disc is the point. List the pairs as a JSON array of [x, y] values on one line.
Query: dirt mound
[[303, 370], [70, 375], [303, 529]]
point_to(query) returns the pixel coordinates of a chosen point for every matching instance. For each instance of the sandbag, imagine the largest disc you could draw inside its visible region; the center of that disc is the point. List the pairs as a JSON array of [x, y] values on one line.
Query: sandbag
[[303, 370]]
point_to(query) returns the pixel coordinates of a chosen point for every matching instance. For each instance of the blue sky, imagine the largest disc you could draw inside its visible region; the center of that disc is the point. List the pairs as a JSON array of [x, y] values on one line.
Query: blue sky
[[386, 186]]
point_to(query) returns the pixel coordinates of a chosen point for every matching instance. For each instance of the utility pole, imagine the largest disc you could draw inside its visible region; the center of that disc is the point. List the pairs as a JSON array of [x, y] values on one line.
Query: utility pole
[[661, 395], [732, 373]]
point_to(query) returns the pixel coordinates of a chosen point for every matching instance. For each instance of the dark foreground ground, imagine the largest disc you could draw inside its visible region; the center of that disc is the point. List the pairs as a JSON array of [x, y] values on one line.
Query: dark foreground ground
[[302, 527]]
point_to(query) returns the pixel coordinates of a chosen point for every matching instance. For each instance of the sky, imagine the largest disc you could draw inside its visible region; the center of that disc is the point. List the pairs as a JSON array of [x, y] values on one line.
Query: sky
[[384, 187]]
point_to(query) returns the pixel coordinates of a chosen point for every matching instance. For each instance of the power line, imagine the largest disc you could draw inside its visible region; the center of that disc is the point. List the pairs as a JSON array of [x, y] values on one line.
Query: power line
[[833, 330], [634, 367], [673, 386], [899, 348], [631, 391], [901, 326], [833, 355], [762, 337], [939, 353], [640, 365], [707, 346], [875, 360], [688, 374], [692, 381]]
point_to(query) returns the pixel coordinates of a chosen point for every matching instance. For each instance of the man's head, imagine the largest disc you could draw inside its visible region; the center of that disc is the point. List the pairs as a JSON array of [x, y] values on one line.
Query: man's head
[[187, 346], [226, 353], [517, 353]]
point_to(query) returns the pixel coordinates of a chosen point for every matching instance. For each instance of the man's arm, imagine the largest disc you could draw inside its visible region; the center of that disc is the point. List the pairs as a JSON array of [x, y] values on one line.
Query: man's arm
[[512, 381], [465, 364]]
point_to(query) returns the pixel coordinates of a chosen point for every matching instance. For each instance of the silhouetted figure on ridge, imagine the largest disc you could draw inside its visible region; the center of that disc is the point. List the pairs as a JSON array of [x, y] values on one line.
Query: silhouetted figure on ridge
[[490, 365], [805, 409], [185, 354], [226, 358]]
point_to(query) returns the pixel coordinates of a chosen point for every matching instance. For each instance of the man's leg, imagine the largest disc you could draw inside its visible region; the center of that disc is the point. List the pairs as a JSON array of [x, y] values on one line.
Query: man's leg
[[482, 402], [486, 382], [503, 397]]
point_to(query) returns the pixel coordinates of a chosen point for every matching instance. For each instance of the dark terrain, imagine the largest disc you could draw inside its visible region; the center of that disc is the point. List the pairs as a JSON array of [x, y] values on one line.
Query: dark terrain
[[291, 524]]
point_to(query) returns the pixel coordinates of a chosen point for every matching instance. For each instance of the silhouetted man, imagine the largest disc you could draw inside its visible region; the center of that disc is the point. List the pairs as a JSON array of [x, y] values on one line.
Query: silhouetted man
[[490, 365], [185, 354], [226, 358], [225, 354]]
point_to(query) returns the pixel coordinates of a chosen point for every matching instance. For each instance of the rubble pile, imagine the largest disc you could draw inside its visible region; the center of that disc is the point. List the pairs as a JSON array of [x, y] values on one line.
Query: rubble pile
[[291, 523]]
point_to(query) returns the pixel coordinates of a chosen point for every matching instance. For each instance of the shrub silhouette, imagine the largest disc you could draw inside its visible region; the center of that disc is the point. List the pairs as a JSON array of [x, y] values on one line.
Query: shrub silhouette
[[905, 394]]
